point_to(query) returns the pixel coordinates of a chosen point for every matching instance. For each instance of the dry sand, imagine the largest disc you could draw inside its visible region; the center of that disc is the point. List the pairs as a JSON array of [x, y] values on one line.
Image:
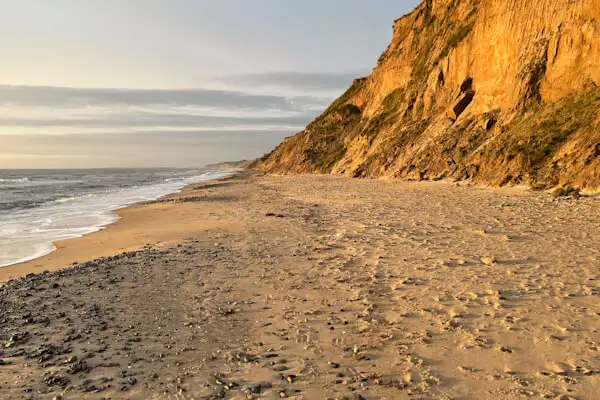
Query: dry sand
[[321, 287]]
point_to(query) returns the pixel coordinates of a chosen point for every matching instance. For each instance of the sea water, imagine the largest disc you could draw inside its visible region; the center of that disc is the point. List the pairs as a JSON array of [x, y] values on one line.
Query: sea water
[[40, 207]]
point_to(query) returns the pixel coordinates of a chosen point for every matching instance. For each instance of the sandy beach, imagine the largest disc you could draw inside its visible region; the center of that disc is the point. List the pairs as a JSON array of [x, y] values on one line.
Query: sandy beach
[[315, 287], [152, 224]]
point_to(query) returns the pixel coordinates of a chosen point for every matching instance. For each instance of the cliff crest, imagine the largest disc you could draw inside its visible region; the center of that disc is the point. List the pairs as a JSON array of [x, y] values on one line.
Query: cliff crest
[[495, 91]]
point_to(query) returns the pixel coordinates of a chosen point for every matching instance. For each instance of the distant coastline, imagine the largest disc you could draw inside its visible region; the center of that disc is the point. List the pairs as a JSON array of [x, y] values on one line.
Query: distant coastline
[[240, 164]]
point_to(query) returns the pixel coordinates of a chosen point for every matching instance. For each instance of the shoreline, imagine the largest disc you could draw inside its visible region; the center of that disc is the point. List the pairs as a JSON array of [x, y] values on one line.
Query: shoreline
[[116, 237], [69, 256]]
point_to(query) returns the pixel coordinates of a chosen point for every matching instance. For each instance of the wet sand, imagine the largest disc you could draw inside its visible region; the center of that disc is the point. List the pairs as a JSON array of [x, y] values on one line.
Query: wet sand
[[321, 287]]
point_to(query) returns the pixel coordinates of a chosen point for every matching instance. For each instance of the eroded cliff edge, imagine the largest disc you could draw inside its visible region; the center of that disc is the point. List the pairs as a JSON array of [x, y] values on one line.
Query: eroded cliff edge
[[495, 91]]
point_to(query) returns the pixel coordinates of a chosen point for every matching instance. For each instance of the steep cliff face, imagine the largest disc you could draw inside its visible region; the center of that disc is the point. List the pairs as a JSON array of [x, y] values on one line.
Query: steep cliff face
[[496, 91]]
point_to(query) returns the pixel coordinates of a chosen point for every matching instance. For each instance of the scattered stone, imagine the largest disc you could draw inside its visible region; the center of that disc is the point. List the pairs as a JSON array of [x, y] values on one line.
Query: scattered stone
[[51, 380], [558, 192], [17, 338], [245, 357], [257, 388], [488, 260], [219, 381], [586, 372], [505, 349], [91, 389], [71, 360], [78, 367], [565, 191], [220, 392]]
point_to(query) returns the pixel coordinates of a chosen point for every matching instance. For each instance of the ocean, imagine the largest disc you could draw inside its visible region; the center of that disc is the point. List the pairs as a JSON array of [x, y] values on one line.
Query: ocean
[[40, 207]]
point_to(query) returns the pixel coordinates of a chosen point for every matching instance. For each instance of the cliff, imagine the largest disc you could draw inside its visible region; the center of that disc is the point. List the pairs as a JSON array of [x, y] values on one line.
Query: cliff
[[494, 91]]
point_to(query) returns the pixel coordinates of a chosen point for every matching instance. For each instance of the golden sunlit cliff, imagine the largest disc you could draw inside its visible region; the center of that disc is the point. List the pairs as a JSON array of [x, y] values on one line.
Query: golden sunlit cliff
[[494, 91]]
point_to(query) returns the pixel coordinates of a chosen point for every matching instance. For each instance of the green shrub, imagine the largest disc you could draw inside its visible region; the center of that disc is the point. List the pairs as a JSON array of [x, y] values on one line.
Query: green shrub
[[457, 37]]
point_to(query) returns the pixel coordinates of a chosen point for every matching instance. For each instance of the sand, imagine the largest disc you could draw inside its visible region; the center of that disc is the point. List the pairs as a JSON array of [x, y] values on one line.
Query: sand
[[321, 287]]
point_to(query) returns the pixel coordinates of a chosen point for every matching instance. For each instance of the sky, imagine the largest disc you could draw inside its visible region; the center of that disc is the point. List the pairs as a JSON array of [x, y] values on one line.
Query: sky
[[175, 83]]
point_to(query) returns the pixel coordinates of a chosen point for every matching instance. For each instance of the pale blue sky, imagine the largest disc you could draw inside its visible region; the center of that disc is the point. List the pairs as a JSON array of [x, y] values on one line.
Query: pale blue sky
[[206, 60], [182, 43]]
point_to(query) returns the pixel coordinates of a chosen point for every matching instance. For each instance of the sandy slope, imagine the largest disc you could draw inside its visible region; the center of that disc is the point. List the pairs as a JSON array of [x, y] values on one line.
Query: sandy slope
[[353, 289]]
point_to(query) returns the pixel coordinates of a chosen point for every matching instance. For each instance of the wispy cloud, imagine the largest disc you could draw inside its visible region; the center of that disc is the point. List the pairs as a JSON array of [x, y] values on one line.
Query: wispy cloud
[[298, 81], [36, 96], [143, 127], [159, 120], [35, 109]]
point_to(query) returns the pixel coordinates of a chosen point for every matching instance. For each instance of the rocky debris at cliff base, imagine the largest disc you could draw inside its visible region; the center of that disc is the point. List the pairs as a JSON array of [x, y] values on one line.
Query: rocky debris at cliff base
[[566, 191]]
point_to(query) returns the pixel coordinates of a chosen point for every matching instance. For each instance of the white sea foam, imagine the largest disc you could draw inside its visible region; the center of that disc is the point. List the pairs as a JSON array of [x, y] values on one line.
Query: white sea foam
[[27, 234], [15, 180], [73, 198]]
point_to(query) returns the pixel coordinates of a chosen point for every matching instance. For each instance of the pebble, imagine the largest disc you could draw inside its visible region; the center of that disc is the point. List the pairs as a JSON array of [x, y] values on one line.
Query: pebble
[[488, 260]]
